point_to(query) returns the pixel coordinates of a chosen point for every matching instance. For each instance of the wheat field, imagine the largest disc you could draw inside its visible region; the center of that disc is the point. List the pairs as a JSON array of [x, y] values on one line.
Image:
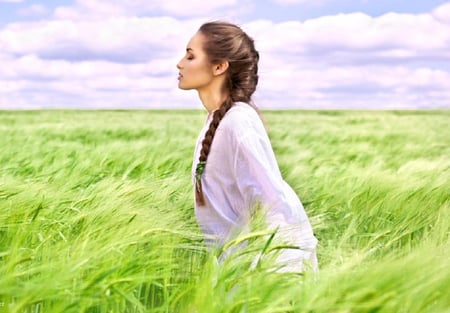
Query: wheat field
[[96, 214]]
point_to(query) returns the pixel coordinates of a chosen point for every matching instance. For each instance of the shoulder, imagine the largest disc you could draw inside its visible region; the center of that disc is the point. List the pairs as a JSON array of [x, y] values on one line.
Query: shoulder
[[242, 123], [241, 118]]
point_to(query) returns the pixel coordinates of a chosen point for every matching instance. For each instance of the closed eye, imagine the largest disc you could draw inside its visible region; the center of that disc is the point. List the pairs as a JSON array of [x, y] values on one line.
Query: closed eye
[[189, 54]]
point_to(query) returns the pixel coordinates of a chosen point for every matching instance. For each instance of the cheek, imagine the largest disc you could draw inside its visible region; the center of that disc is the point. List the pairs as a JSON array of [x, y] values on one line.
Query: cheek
[[203, 70], [194, 70], [199, 66]]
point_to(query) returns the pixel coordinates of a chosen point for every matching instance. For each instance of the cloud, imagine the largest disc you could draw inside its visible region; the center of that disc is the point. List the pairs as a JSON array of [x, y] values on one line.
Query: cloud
[[442, 13], [120, 39], [302, 2], [84, 9], [348, 36], [354, 60], [31, 82], [339, 39], [354, 86], [126, 59]]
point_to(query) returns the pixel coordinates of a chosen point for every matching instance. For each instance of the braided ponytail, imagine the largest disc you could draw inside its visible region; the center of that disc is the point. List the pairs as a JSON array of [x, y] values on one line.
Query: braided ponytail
[[225, 41], [206, 145]]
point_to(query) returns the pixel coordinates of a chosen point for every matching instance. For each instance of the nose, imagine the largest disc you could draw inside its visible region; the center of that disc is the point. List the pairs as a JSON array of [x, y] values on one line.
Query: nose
[[179, 65]]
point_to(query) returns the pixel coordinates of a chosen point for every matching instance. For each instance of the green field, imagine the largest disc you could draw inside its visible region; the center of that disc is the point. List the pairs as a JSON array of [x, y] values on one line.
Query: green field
[[96, 214]]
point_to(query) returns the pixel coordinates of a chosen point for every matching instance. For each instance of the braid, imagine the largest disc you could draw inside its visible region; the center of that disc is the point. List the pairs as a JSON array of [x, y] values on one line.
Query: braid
[[206, 147]]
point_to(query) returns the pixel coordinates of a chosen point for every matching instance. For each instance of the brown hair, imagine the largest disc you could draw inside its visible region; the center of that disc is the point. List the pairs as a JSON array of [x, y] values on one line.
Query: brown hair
[[227, 42]]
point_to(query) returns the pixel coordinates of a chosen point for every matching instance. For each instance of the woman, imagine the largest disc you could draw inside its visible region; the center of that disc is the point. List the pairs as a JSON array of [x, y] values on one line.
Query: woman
[[234, 168]]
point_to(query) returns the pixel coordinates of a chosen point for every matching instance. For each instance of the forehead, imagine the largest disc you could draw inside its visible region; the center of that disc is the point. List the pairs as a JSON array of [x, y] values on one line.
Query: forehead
[[196, 42]]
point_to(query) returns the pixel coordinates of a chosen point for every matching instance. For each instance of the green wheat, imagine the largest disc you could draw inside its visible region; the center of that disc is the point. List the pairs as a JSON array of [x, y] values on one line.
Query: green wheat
[[96, 214]]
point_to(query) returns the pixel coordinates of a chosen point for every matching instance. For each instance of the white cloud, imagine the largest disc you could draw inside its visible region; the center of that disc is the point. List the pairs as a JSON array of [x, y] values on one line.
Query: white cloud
[[84, 9], [354, 60], [357, 34], [121, 39], [340, 38], [442, 13], [195, 7], [30, 81], [122, 60], [293, 2], [358, 86]]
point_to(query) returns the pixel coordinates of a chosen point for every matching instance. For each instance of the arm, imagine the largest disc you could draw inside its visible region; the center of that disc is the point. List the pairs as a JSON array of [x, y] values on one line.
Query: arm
[[260, 182]]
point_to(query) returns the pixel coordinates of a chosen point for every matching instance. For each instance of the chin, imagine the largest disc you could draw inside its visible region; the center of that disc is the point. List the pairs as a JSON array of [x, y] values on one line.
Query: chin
[[184, 87]]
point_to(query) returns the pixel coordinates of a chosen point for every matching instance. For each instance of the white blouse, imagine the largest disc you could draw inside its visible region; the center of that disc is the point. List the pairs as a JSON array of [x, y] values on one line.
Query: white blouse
[[241, 172]]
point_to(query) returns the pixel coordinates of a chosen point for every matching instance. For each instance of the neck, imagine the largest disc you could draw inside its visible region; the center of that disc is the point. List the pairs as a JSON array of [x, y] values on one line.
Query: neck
[[212, 100]]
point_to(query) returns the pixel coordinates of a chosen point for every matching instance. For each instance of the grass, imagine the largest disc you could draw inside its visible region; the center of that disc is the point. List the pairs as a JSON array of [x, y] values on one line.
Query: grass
[[96, 214]]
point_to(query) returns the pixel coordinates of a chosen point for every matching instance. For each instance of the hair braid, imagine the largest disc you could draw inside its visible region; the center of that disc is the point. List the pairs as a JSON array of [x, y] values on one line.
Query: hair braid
[[206, 147]]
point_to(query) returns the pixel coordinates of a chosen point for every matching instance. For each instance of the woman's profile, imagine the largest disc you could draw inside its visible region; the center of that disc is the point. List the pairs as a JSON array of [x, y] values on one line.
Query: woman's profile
[[234, 167]]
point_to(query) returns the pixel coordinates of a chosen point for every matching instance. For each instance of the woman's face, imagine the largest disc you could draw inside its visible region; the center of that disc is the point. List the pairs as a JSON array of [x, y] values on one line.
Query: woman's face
[[195, 71]]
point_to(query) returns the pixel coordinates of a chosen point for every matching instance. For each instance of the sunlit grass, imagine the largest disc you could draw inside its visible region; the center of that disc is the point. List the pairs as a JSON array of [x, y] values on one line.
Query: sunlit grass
[[96, 214]]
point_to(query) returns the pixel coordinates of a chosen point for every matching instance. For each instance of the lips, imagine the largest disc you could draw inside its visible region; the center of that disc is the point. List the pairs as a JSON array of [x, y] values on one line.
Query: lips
[[180, 76]]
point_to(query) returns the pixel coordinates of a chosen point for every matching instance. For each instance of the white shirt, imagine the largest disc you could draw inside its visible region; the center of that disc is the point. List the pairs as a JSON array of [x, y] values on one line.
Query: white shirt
[[241, 172]]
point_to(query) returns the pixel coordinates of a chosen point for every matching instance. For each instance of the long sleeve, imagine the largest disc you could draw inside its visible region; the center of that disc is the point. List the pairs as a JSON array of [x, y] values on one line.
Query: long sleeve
[[259, 179]]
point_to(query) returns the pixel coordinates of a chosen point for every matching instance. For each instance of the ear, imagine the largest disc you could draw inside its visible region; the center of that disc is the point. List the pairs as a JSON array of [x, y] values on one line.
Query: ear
[[220, 68]]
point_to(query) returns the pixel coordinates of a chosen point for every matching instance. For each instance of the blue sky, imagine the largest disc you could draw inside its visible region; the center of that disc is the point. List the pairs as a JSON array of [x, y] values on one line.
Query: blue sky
[[276, 12], [314, 54], [264, 9]]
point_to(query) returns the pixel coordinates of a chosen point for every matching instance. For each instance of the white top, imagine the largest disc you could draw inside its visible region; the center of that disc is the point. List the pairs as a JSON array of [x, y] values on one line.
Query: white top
[[241, 172]]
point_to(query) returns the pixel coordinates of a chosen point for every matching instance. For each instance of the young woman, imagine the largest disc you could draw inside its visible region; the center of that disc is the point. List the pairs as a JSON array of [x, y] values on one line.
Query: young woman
[[234, 168]]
